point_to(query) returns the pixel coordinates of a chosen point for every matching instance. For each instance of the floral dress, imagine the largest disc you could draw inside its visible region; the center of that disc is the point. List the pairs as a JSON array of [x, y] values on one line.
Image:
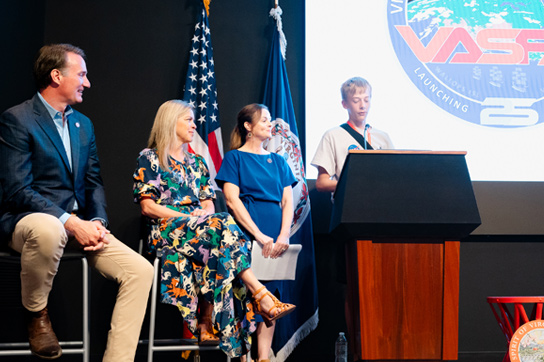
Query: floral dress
[[201, 255]]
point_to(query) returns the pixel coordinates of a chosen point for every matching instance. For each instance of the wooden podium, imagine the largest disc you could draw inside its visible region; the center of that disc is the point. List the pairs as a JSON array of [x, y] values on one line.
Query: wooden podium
[[403, 214]]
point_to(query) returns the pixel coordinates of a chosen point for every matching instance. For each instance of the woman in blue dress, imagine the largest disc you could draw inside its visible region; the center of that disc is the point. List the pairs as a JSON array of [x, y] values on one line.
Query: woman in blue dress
[[258, 190], [205, 255]]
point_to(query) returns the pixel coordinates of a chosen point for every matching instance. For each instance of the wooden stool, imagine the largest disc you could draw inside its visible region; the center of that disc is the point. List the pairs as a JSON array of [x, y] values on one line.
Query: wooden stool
[[509, 324]]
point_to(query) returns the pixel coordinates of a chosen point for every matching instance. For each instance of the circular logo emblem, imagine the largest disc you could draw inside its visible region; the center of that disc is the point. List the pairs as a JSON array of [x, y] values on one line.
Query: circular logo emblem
[[527, 343], [480, 60], [287, 145]]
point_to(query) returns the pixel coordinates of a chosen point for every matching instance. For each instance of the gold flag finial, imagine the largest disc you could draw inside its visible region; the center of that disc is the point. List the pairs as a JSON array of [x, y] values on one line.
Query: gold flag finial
[[207, 6]]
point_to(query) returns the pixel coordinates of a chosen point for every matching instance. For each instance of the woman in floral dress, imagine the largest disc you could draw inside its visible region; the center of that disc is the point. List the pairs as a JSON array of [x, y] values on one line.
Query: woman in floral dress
[[204, 254]]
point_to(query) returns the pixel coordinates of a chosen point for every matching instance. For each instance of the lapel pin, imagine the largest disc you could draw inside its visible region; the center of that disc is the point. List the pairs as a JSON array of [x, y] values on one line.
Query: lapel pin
[[77, 124]]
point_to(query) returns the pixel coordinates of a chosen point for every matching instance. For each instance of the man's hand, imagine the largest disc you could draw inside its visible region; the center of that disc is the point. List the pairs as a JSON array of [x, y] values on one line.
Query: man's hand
[[91, 235]]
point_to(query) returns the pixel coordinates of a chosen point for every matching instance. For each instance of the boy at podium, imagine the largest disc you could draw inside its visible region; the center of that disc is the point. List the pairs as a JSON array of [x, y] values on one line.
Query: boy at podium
[[355, 134], [334, 148]]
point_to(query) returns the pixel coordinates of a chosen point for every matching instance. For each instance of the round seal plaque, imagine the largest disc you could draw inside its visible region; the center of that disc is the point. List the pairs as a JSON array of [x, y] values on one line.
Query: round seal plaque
[[527, 343]]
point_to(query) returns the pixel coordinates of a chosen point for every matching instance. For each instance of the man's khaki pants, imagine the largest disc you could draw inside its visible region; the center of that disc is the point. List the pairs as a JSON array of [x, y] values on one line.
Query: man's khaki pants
[[41, 239]]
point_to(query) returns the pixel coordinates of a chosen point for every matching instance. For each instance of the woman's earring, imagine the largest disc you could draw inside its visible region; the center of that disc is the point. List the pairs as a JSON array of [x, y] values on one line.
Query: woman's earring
[[249, 135]]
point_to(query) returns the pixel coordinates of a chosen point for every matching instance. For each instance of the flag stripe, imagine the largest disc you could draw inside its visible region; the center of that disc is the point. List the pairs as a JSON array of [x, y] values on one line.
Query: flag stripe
[[215, 155], [199, 147]]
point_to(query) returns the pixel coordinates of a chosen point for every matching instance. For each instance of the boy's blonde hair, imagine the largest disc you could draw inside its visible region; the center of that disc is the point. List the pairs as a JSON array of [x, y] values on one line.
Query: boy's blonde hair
[[350, 86]]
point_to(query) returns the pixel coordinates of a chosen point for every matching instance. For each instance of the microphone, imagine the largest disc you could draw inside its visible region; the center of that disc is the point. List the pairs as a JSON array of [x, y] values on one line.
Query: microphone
[[367, 126]]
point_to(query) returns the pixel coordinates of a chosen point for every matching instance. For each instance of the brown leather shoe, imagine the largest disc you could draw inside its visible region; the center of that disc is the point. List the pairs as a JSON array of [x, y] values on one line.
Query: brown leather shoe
[[42, 339]]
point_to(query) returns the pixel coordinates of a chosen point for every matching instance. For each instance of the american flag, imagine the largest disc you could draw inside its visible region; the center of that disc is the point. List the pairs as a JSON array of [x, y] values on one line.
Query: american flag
[[201, 93]]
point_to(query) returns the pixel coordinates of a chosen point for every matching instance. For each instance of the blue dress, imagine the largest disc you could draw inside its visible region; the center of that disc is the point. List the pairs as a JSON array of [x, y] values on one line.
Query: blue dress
[[261, 179]]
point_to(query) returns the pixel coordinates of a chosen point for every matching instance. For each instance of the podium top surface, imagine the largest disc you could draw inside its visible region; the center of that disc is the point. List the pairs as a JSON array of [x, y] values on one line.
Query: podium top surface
[[409, 152], [405, 193]]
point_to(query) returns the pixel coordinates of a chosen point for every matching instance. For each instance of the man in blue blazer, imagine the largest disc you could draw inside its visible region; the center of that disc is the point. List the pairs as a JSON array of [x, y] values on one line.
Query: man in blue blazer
[[53, 197]]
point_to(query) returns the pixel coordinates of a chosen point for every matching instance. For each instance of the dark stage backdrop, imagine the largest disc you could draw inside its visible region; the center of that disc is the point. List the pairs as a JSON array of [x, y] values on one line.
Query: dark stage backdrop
[[137, 58], [137, 55]]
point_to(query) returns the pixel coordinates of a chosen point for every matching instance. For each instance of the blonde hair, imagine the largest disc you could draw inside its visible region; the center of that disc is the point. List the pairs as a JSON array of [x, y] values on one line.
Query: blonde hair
[[350, 86], [163, 133], [250, 113]]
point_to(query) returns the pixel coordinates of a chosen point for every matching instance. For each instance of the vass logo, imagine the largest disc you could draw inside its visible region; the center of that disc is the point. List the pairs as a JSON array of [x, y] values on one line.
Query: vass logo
[[480, 61]]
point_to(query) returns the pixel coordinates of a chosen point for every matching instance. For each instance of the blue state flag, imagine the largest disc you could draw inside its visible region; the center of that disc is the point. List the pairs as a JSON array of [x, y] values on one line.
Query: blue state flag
[[302, 291]]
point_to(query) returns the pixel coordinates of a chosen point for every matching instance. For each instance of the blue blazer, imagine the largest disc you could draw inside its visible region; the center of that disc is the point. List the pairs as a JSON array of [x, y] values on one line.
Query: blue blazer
[[34, 171]]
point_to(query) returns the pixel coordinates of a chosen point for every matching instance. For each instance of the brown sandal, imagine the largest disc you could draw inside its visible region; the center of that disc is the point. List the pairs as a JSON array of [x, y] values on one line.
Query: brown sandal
[[206, 337], [282, 309]]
